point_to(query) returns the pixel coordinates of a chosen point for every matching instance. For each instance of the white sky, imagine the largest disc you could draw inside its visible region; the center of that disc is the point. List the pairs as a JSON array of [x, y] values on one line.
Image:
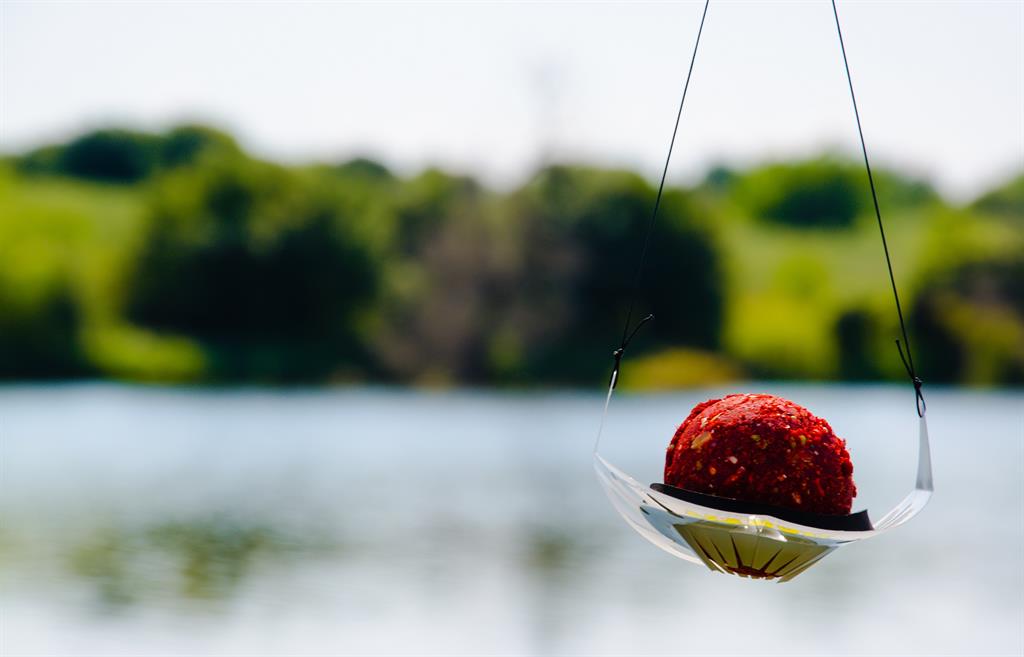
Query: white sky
[[492, 89]]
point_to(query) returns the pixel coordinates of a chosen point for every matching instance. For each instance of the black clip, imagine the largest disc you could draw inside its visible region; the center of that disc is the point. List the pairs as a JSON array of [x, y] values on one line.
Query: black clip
[[617, 354], [908, 365]]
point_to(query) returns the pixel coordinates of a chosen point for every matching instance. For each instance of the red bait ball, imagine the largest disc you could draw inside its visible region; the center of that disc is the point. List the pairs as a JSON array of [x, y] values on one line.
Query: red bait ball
[[762, 448]]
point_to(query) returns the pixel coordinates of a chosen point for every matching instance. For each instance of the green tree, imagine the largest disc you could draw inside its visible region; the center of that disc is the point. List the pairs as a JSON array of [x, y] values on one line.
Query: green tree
[[128, 156], [365, 169], [442, 296], [582, 231], [187, 144], [968, 322], [820, 193], [1006, 200], [261, 265]]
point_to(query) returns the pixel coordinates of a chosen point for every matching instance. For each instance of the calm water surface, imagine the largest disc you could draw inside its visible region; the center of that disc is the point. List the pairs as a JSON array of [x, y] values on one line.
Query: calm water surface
[[150, 521]]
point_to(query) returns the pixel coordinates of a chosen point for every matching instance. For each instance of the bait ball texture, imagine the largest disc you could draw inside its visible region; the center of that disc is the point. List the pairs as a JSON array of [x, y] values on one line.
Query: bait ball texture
[[762, 448]]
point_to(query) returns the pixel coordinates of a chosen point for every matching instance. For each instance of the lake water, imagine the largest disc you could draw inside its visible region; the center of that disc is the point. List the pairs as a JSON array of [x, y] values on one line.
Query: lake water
[[151, 521]]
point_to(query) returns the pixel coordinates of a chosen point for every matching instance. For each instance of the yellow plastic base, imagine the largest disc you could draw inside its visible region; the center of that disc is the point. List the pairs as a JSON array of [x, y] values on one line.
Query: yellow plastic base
[[758, 556]]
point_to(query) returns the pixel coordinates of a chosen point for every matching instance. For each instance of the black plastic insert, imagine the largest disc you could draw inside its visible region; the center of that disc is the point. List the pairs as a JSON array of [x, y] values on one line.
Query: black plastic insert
[[854, 522]]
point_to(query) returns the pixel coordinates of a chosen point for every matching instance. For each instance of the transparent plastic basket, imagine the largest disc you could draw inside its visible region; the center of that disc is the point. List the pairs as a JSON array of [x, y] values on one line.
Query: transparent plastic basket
[[755, 545]]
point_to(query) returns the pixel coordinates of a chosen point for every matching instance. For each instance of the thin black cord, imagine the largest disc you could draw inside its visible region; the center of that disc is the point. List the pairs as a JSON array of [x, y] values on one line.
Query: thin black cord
[[908, 359], [626, 334]]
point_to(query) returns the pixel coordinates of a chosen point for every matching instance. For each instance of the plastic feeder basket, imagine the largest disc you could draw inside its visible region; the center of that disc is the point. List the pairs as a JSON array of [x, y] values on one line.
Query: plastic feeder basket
[[744, 539]]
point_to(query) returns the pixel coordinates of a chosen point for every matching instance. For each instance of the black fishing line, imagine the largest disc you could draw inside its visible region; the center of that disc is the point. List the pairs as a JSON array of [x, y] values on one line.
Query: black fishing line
[[626, 334], [908, 358], [905, 355]]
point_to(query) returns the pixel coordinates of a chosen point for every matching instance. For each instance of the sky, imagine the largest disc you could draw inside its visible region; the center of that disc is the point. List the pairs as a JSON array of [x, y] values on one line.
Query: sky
[[495, 89]]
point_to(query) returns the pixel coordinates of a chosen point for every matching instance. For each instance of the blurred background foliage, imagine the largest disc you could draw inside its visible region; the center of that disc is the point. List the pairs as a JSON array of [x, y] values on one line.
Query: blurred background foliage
[[177, 257]]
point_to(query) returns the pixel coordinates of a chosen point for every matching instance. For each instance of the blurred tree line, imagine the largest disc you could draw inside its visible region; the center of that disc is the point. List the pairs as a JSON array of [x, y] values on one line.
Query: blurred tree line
[[178, 257]]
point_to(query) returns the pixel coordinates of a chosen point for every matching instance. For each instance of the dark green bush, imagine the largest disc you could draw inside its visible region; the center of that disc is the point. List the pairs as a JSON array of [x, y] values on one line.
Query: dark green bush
[[814, 194], [121, 156], [820, 193], [856, 332], [127, 156], [39, 340]]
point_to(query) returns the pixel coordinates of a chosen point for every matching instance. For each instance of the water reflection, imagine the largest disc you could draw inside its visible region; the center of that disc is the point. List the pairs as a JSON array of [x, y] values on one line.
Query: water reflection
[[317, 523], [205, 558]]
